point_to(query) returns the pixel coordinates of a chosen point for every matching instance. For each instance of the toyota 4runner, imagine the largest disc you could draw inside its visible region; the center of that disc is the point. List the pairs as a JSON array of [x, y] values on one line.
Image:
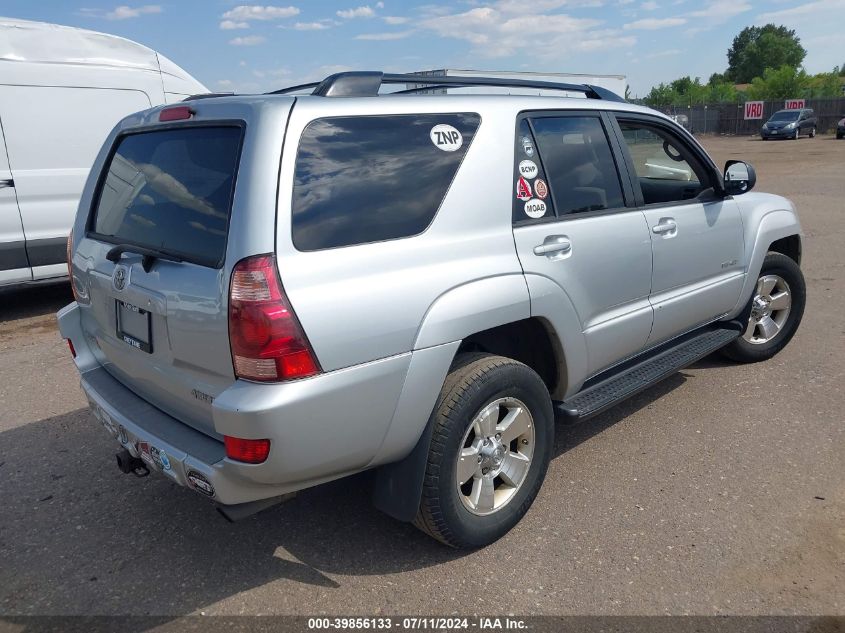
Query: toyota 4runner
[[275, 291]]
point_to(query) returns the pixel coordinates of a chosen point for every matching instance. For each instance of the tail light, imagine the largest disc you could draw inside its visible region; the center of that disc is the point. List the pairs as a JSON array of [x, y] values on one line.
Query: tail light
[[248, 451], [267, 341], [177, 113]]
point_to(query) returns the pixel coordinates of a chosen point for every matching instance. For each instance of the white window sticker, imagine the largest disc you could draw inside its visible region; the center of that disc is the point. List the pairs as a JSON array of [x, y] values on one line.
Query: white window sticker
[[446, 137], [535, 208], [528, 169]]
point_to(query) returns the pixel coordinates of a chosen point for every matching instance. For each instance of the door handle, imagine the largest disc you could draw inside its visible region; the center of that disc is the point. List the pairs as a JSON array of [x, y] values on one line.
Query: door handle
[[666, 225], [553, 245], [8, 182]]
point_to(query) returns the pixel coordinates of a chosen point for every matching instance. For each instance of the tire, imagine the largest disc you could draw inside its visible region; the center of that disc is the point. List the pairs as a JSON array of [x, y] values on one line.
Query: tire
[[771, 326], [797, 132], [812, 132], [839, 136], [479, 383]]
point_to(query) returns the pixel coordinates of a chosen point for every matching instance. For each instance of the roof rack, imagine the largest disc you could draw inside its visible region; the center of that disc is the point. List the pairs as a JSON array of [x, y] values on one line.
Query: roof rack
[[368, 83]]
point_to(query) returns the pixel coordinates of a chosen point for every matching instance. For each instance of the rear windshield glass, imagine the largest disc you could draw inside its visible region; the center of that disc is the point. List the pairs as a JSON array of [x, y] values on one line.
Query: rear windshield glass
[[172, 190], [368, 179]]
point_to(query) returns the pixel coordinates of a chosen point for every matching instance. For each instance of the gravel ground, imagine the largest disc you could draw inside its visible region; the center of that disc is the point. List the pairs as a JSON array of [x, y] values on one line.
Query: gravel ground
[[719, 491]]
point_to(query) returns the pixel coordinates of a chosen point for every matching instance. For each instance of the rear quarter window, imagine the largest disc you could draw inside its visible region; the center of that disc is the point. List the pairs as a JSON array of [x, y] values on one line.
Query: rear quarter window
[[369, 179]]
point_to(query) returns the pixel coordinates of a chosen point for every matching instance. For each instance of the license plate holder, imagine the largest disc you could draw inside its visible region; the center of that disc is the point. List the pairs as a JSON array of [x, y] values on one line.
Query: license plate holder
[[134, 326]]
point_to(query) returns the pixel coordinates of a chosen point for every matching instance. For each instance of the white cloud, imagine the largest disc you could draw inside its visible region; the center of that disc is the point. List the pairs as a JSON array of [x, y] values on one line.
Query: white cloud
[[381, 37], [357, 12], [495, 33], [249, 40], [809, 10], [124, 12], [652, 24], [229, 25], [312, 26], [650, 5], [224, 83], [395, 19], [247, 12], [719, 11]]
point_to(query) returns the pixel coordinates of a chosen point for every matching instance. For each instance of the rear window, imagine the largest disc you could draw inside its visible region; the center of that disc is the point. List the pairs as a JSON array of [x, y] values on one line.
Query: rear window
[[369, 179], [171, 190]]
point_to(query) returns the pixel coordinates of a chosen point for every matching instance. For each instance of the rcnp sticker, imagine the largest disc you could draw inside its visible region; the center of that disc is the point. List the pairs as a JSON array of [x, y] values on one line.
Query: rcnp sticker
[[528, 169], [535, 208], [523, 189], [446, 137], [541, 189]]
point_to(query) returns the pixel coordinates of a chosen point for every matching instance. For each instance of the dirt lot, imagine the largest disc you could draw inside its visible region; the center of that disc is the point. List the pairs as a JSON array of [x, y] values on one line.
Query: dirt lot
[[720, 491]]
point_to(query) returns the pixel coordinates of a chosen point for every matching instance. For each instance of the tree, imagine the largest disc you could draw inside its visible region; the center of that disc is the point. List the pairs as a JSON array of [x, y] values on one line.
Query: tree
[[785, 82], [757, 48], [825, 85]]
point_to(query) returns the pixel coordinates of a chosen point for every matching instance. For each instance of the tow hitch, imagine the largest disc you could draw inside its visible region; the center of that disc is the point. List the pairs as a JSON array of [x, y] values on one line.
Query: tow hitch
[[129, 464]]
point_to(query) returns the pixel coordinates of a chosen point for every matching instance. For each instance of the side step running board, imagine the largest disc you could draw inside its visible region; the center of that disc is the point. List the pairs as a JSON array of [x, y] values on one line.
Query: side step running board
[[604, 391]]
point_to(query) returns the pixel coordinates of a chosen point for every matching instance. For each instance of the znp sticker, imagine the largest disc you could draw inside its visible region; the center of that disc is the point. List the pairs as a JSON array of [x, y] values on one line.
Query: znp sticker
[[446, 137]]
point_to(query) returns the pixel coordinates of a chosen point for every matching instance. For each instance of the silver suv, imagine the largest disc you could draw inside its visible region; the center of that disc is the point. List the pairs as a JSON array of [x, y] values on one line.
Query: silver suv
[[275, 291]]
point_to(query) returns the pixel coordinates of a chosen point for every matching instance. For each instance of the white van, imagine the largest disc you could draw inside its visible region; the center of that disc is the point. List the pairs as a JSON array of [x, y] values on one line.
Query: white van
[[62, 90]]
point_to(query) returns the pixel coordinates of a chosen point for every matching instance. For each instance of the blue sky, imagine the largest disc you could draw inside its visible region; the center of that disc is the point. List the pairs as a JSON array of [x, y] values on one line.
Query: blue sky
[[248, 48]]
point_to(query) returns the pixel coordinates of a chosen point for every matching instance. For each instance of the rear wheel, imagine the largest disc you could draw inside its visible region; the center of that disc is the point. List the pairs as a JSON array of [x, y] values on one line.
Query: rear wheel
[[812, 132], [776, 310], [490, 448]]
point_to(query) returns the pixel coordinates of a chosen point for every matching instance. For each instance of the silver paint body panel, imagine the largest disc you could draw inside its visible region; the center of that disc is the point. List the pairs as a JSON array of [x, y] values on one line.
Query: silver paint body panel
[[386, 319]]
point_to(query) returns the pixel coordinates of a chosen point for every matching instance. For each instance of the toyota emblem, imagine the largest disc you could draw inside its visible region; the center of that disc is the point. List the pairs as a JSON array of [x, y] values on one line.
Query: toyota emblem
[[120, 277]]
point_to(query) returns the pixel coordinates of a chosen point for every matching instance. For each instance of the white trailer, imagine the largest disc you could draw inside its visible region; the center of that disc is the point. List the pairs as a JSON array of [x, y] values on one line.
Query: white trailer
[[614, 83]]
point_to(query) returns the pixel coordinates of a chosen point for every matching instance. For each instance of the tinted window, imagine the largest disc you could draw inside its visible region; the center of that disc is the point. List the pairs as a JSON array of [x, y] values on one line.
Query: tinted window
[[368, 179], [666, 169], [531, 189], [785, 115], [172, 190], [579, 163]]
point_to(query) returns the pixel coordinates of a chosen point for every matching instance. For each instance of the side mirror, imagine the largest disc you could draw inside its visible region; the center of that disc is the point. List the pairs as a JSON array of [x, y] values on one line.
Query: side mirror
[[740, 177]]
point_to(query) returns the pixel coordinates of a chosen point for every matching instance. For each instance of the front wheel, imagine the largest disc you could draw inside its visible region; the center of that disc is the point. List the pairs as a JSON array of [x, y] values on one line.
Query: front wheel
[[777, 306], [490, 448]]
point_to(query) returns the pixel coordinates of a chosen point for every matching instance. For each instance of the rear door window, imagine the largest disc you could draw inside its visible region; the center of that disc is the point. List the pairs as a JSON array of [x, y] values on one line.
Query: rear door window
[[171, 190], [578, 162], [373, 178]]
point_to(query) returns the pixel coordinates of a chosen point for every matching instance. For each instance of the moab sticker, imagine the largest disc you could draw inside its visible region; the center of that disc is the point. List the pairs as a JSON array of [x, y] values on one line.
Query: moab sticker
[[446, 137], [535, 208], [528, 168], [523, 189], [541, 189]]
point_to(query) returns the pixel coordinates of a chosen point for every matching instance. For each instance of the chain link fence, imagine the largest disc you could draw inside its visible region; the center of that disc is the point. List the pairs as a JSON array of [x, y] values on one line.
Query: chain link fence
[[728, 118]]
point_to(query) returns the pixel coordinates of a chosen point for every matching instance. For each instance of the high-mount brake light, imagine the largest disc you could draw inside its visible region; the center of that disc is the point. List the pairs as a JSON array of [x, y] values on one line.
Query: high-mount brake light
[[268, 343], [176, 113]]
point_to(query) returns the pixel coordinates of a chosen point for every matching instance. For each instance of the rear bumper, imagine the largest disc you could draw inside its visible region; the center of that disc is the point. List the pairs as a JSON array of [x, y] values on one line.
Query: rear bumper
[[320, 428]]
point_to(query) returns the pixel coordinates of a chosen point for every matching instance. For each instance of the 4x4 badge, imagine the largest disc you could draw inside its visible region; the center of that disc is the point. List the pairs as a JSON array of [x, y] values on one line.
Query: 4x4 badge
[[120, 277]]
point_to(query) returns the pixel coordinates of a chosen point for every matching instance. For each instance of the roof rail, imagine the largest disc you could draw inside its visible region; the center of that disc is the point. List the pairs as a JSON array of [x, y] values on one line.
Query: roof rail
[[368, 83]]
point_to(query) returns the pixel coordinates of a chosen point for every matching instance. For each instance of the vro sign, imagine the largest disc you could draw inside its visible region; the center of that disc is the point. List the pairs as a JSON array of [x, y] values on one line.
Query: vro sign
[[794, 104], [753, 110]]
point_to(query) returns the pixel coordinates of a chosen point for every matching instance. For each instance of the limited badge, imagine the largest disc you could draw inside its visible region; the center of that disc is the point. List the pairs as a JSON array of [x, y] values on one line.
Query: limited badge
[[528, 169], [446, 137], [527, 146], [541, 189], [535, 208], [523, 189]]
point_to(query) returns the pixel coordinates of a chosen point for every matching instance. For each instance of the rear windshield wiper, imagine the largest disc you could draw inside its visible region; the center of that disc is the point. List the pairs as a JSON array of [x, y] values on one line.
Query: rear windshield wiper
[[149, 255]]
